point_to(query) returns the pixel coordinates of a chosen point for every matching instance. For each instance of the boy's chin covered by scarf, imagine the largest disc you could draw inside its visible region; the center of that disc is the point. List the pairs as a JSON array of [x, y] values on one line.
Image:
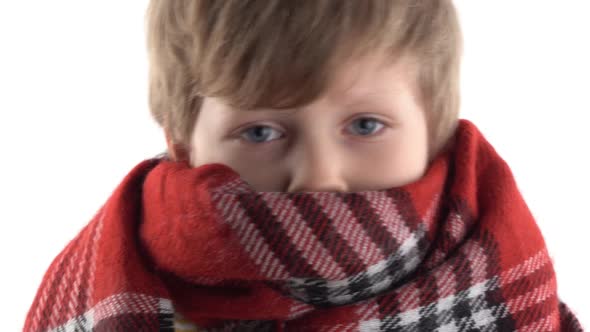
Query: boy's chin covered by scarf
[[457, 250]]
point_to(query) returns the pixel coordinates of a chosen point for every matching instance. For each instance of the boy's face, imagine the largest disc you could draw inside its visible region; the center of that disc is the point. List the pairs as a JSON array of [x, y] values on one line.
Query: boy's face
[[368, 132]]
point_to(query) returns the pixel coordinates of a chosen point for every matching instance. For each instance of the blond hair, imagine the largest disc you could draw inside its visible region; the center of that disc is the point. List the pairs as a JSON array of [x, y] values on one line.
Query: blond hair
[[283, 53]]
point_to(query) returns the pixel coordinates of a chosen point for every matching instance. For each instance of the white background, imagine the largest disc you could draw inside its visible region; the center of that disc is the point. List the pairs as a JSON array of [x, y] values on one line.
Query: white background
[[74, 120]]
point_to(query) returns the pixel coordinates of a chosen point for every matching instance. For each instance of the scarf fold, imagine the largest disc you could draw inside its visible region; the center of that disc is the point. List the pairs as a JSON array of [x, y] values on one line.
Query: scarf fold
[[457, 250]]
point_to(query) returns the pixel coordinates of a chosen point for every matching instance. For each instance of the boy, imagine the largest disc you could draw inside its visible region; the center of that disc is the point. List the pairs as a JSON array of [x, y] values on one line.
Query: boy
[[318, 179]]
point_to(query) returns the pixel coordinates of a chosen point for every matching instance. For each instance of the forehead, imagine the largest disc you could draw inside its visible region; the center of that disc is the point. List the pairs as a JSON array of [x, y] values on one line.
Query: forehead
[[367, 80], [372, 76]]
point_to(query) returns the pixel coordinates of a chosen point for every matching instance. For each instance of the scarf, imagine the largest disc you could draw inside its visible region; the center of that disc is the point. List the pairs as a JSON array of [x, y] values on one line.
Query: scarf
[[457, 250]]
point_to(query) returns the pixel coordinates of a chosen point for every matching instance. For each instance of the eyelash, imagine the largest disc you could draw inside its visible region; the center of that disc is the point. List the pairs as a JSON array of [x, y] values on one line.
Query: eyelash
[[245, 131]]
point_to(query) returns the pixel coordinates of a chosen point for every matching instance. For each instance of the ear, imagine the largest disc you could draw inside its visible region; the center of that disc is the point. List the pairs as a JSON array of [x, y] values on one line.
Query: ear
[[176, 151]]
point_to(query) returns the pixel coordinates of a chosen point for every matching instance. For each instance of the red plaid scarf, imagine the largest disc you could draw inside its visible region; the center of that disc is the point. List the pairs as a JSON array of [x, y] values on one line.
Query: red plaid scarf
[[457, 250]]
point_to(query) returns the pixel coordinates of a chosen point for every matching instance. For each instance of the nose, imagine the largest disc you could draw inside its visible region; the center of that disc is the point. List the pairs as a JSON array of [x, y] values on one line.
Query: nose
[[317, 167]]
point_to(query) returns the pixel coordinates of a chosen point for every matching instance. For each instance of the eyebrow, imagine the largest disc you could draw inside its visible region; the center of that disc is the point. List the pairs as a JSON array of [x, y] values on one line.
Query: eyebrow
[[372, 98], [268, 111]]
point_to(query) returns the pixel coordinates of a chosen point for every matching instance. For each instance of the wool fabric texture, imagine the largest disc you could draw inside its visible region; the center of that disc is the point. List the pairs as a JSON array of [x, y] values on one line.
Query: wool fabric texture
[[457, 250]]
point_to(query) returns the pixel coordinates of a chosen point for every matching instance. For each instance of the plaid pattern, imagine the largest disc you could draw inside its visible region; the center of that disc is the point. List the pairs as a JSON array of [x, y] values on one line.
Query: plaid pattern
[[326, 268], [445, 254], [124, 312]]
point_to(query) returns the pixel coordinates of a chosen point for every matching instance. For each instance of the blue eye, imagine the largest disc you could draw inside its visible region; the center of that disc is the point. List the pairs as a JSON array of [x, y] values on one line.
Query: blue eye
[[366, 126], [261, 134]]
